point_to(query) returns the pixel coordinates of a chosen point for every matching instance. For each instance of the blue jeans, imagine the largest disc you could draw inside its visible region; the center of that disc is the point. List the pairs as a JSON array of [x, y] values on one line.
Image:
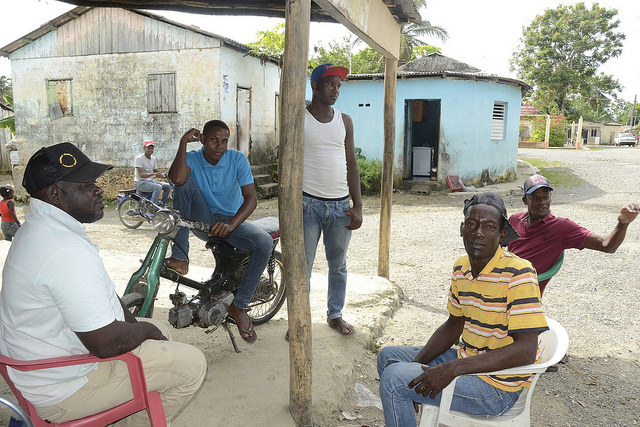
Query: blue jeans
[[9, 229], [154, 187], [328, 218], [189, 201], [471, 394]]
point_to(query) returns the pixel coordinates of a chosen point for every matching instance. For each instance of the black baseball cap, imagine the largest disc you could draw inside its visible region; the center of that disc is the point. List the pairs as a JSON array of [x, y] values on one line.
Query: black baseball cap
[[492, 199], [60, 162], [534, 182]]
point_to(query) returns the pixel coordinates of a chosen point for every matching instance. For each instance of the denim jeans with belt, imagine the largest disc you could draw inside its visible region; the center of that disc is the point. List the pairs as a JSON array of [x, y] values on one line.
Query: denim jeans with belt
[[188, 199], [471, 395], [327, 217]]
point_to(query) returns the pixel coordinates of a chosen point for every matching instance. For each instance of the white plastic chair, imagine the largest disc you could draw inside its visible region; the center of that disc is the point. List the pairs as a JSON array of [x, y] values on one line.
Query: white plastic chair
[[553, 344]]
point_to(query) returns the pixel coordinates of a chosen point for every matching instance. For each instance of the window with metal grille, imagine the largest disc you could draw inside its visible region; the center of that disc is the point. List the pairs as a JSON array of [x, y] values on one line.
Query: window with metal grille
[[161, 93], [497, 122], [59, 98], [594, 132]]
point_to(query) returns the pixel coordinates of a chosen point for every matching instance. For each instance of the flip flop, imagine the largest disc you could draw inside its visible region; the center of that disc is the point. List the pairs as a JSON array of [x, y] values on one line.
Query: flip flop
[[249, 334], [341, 326]]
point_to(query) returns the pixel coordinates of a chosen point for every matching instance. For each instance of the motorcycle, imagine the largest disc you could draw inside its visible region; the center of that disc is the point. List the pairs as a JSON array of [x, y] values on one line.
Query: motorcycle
[[133, 212], [208, 307]]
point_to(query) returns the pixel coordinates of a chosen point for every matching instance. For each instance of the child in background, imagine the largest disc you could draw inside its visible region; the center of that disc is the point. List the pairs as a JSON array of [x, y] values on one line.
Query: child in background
[[10, 222]]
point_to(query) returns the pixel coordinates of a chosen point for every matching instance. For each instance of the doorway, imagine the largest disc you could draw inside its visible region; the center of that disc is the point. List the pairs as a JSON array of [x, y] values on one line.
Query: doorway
[[421, 147], [243, 114]]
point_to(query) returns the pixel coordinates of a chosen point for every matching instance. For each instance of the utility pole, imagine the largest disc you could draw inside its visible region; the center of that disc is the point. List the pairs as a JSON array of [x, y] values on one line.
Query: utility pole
[[633, 112]]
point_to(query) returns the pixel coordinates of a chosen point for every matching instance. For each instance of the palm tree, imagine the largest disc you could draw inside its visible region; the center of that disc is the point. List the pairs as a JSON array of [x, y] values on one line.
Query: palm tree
[[410, 33]]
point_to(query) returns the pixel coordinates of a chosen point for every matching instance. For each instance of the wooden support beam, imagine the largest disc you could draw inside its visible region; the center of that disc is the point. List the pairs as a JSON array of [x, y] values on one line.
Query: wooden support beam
[[389, 120], [368, 19], [292, 89]]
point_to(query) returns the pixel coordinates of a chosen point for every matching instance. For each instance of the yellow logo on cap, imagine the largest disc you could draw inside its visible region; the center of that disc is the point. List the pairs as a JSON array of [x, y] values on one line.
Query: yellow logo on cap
[[68, 162]]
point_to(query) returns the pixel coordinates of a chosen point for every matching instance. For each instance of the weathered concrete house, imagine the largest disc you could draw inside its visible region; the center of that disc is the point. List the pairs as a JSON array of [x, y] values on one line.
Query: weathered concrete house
[[108, 79], [451, 120]]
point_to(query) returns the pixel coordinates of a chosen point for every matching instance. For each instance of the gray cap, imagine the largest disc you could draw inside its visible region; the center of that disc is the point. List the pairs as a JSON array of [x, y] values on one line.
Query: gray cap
[[492, 199]]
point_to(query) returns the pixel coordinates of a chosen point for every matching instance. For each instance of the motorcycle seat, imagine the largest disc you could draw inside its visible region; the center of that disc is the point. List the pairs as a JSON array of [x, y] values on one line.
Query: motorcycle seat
[[130, 191], [269, 224]]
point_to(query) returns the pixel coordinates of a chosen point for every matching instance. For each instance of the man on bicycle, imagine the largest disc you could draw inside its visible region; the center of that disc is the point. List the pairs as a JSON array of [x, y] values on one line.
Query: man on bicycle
[[146, 169]]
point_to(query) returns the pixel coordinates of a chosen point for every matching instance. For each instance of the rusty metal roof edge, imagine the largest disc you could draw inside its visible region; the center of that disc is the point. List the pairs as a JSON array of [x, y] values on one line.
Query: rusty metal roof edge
[[444, 74], [74, 13]]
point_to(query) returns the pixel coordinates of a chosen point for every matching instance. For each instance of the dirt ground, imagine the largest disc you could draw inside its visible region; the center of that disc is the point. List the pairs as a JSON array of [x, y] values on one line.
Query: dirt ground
[[595, 296]]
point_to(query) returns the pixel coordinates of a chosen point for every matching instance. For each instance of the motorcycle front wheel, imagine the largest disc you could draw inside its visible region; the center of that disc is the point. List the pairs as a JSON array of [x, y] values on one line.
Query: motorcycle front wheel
[[271, 292], [128, 214], [134, 302]]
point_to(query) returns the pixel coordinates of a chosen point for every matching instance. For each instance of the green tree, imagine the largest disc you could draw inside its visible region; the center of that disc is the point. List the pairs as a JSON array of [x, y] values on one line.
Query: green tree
[[269, 44], [8, 122], [6, 88], [560, 53], [424, 50], [621, 111], [341, 52], [410, 38]]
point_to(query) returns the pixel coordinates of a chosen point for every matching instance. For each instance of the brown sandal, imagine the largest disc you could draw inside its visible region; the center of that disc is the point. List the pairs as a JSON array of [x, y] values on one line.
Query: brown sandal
[[179, 265], [247, 334], [341, 326]]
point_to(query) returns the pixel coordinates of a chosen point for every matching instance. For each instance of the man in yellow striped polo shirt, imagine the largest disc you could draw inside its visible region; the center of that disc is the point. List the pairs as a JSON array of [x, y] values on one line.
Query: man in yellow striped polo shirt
[[494, 308]]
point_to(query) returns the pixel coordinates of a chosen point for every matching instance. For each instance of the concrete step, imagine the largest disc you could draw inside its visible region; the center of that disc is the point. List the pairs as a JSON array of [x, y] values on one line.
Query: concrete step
[[264, 169], [267, 191], [262, 179]]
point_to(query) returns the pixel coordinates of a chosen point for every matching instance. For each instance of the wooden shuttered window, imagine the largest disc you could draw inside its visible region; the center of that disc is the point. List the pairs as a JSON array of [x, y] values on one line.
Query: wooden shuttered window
[[497, 122], [59, 98], [161, 93]]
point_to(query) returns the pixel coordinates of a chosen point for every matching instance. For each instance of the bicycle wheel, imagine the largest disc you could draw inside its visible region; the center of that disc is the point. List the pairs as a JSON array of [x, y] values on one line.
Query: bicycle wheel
[[271, 292], [129, 215]]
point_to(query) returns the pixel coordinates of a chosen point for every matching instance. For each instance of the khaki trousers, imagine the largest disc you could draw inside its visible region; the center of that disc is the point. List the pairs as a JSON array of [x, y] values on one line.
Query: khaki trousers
[[174, 369]]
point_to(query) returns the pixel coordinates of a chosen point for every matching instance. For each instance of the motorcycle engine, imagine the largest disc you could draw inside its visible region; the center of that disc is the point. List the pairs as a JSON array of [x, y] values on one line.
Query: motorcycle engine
[[201, 313]]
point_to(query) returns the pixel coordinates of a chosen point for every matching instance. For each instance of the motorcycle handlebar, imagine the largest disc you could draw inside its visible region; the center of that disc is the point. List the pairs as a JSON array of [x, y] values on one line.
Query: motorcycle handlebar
[[166, 220]]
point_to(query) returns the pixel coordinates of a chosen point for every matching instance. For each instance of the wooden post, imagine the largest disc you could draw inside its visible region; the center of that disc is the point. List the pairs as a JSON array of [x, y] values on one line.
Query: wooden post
[[573, 131], [390, 69], [294, 80], [547, 131], [579, 137]]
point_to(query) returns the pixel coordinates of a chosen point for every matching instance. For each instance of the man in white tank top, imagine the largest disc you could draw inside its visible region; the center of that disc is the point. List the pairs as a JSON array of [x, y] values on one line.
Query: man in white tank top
[[330, 176]]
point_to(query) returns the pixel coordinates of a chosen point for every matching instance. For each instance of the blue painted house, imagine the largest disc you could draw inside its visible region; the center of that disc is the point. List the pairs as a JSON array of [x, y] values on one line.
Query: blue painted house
[[451, 119]]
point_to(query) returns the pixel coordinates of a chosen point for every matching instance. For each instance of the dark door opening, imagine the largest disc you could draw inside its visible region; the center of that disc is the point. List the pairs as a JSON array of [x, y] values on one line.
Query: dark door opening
[[422, 130]]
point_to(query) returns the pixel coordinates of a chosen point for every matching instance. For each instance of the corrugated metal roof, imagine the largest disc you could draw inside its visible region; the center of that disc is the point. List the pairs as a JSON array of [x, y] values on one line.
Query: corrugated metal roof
[[65, 18], [446, 75]]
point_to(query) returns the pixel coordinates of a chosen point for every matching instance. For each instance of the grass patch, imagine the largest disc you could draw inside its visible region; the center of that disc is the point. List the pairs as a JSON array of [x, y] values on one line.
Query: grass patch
[[558, 174]]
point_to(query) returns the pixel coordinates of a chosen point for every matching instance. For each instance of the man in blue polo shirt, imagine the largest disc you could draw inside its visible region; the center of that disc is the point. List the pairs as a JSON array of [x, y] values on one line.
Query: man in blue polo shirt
[[215, 185]]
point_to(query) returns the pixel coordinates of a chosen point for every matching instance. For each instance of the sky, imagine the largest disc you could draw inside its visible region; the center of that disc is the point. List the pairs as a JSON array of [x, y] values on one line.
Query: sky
[[482, 34]]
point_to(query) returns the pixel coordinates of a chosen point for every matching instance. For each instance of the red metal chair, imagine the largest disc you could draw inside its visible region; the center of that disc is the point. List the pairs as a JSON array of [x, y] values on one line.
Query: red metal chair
[[142, 399]]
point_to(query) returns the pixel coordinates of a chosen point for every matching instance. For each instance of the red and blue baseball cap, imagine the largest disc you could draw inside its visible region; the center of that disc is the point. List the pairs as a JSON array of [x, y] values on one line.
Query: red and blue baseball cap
[[328, 70], [534, 182]]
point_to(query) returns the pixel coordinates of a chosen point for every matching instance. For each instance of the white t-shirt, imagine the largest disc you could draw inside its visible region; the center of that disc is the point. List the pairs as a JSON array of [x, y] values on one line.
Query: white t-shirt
[[325, 160], [147, 165], [53, 283]]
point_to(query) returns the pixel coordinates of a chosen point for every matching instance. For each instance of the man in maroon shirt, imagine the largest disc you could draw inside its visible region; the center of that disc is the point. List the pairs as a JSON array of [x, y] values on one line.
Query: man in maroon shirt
[[543, 237]]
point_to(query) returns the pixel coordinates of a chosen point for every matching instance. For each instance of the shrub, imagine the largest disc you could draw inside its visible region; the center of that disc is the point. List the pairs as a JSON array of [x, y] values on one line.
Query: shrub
[[370, 173], [557, 135]]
